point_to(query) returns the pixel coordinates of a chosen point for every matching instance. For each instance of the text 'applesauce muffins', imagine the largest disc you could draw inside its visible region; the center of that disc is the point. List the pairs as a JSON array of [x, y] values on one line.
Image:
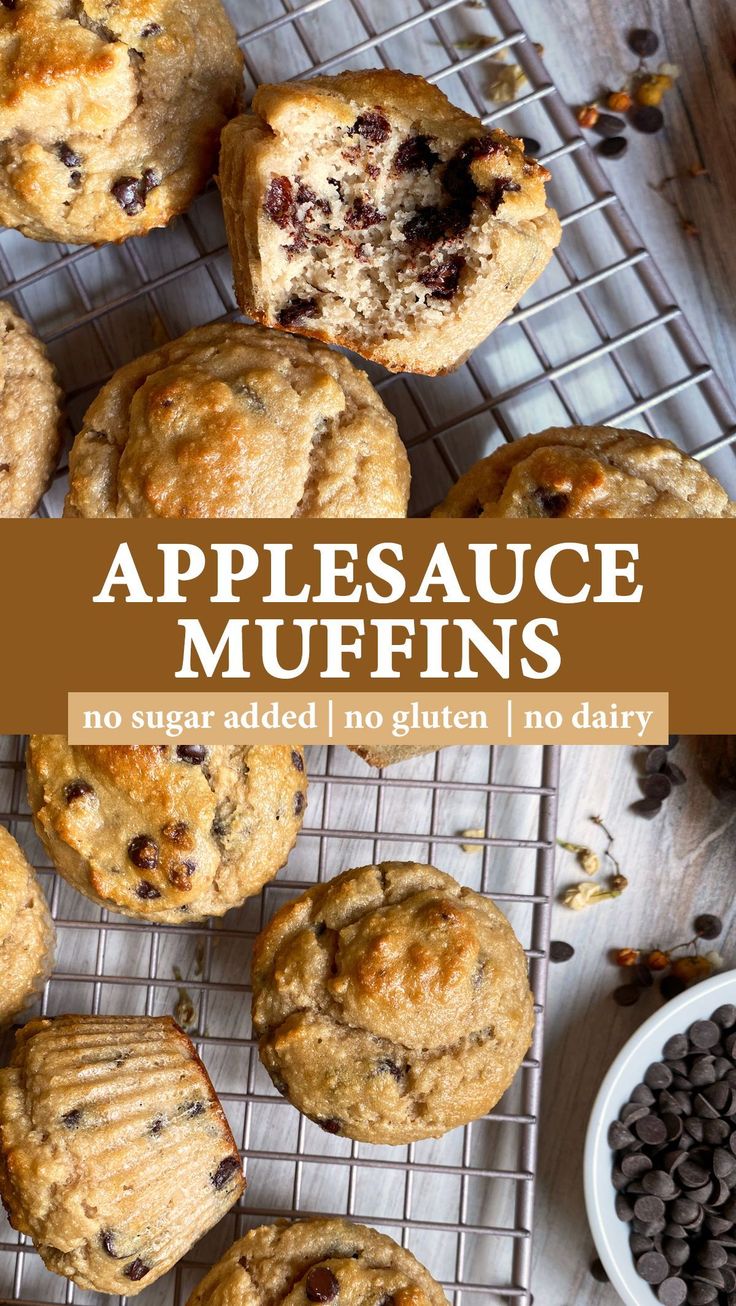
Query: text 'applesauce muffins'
[[30, 416], [26, 932], [367, 210], [170, 833], [115, 1154], [110, 114], [234, 421], [319, 1260], [587, 471], [391, 1004]]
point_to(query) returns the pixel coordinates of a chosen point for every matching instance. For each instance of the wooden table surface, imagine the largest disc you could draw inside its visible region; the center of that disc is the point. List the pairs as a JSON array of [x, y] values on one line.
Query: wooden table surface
[[683, 861]]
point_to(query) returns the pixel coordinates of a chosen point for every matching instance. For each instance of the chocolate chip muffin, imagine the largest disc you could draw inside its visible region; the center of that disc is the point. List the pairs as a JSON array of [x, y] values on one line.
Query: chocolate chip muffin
[[166, 834], [234, 421], [367, 210], [115, 1154], [30, 415], [317, 1261], [587, 471], [110, 114], [391, 1004], [26, 931]]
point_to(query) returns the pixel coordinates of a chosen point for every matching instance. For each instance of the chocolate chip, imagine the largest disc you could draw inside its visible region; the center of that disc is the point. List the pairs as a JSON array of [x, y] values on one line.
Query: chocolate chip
[[415, 155], [658, 1075], [703, 1033], [362, 214], [136, 1270], [560, 951], [224, 1172], [144, 889], [279, 201], [9, 4], [300, 802], [152, 29], [656, 760], [143, 852], [192, 1109], [321, 1284], [708, 927], [388, 1067], [156, 1127], [647, 807], [643, 41], [672, 1292], [672, 986], [550, 503], [77, 789], [330, 1126], [607, 124], [297, 761], [108, 1242], [442, 279], [598, 1272], [129, 195], [296, 309], [612, 147], [657, 786], [176, 832], [725, 1016], [647, 118], [626, 995], [431, 224], [649, 1208], [619, 1136], [72, 1119], [194, 754], [652, 1267], [68, 156], [149, 181], [181, 875], [651, 1130], [531, 146], [675, 1047], [373, 127]]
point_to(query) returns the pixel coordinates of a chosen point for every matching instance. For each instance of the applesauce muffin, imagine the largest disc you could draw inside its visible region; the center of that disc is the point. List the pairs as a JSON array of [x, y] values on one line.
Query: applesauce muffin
[[318, 1260], [587, 471], [166, 833], [30, 415], [391, 1004], [110, 114], [26, 931], [234, 421], [115, 1154], [367, 210]]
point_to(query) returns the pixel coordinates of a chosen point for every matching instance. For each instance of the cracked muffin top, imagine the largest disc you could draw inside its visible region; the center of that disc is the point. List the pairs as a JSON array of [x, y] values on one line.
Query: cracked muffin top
[[110, 113], [234, 421], [26, 931], [391, 1004], [30, 415], [292, 1264], [587, 471], [115, 1154], [367, 210], [166, 833]]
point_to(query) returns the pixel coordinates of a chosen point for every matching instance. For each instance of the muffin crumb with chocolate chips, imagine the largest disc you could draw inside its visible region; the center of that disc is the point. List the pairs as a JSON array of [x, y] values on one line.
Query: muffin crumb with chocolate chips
[[368, 211], [391, 1004], [89, 1101], [152, 831]]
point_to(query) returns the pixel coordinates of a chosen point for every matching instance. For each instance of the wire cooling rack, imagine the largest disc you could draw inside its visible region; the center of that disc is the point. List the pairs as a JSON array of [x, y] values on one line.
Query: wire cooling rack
[[598, 338], [464, 1203]]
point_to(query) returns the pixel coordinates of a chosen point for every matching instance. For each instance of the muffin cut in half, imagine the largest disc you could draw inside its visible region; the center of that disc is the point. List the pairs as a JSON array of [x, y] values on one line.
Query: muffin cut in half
[[26, 932], [587, 471], [367, 210], [115, 1154], [390, 1003], [234, 421], [319, 1260], [169, 833]]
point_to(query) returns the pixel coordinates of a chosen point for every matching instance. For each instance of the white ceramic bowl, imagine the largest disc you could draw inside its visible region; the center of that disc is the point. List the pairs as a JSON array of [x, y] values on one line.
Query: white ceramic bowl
[[611, 1235]]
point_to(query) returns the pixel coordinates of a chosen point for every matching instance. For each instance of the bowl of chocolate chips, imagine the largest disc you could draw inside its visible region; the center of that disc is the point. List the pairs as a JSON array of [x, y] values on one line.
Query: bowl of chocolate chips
[[660, 1155]]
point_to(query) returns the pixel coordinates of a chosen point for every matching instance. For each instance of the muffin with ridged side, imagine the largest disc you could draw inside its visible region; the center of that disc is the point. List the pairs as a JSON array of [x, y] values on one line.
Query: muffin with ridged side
[[115, 1154]]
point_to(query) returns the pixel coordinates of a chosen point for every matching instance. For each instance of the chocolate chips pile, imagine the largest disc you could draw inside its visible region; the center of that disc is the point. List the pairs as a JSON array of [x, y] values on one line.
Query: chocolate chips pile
[[660, 775], [674, 1167]]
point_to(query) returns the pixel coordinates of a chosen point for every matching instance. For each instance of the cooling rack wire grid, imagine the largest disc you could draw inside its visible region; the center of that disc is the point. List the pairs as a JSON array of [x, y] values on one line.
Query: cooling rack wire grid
[[598, 339], [463, 1204]]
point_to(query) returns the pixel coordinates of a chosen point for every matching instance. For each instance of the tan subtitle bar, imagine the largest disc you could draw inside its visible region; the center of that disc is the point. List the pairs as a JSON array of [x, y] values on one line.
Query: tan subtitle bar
[[396, 718]]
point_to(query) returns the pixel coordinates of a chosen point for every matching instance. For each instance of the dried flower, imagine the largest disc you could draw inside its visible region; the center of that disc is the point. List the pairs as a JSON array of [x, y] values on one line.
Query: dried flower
[[587, 115], [506, 81], [589, 861], [627, 956], [670, 70], [619, 101], [578, 896], [185, 1014], [619, 882], [572, 847], [477, 833], [715, 959]]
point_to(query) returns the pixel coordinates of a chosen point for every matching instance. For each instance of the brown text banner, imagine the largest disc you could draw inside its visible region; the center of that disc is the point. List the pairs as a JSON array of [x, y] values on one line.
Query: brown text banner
[[459, 610]]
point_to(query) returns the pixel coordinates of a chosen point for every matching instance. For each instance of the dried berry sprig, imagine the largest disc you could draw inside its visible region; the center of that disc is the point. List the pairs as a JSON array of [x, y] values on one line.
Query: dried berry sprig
[[675, 972], [578, 896]]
